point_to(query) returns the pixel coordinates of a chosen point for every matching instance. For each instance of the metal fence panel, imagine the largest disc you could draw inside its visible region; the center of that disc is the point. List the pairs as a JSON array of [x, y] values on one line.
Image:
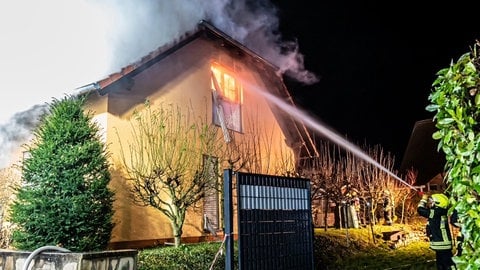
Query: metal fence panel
[[275, 228]]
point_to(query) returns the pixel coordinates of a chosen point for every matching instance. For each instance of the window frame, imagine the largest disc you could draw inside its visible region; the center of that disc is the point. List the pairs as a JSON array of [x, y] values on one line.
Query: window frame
[[226, 101]]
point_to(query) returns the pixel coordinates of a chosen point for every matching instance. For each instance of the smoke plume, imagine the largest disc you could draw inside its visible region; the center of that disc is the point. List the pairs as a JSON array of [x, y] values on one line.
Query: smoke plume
[[51, 47]]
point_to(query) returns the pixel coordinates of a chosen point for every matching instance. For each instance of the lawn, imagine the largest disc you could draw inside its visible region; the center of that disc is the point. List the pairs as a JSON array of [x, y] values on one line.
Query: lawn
[[371, 248]]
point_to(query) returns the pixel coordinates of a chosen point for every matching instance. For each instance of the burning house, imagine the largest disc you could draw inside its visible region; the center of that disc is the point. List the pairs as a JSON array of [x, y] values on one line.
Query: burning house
[[215, 76]]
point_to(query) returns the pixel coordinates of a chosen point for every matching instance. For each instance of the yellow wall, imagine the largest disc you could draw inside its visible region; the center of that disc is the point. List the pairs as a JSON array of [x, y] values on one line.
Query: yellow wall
[[183, 79]]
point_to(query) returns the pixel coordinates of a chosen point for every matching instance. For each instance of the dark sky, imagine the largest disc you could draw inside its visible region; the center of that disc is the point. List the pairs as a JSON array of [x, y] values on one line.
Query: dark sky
[[377, 62]]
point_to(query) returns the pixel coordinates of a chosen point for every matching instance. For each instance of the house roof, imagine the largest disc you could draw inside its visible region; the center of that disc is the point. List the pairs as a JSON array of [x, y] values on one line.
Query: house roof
[[421, 153], [299, 135], [203, 28]]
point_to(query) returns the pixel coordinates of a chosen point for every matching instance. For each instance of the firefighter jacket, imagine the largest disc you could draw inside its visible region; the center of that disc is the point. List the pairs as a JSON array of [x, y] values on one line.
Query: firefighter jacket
[[438, 230]]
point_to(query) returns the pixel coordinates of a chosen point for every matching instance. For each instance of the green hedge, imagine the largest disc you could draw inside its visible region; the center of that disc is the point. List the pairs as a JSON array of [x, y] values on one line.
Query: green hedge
[[185, 257]]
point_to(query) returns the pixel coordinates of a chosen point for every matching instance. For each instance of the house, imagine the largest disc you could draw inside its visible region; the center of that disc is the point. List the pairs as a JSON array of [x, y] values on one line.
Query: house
[[214, 75], [423, 156]]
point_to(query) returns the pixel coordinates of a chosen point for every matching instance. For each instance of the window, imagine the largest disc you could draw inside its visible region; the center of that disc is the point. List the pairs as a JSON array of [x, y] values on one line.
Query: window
[[211, 207], [227, 94], [433, 187]]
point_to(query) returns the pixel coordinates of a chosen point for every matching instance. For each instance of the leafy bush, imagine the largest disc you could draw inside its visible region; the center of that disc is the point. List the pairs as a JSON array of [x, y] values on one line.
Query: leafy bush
[[64, 200], [455, 100]]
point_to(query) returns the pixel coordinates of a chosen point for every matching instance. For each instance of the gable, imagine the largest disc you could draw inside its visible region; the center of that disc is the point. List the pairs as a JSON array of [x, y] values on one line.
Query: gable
[[191, 55]]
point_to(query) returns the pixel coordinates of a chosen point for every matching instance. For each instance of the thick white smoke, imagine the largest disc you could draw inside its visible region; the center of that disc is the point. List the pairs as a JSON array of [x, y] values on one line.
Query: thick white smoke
[[50, 47]]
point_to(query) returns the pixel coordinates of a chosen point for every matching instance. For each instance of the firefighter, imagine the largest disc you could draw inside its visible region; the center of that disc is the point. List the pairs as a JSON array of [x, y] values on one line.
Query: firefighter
[[387, 204], [438, 230]]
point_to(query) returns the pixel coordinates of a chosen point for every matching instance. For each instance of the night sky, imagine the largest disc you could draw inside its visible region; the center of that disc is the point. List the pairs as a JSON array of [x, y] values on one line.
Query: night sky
[[376, 62]]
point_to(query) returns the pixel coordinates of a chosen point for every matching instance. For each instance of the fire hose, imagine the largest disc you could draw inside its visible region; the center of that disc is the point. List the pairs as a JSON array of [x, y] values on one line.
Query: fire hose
[[40, 250]]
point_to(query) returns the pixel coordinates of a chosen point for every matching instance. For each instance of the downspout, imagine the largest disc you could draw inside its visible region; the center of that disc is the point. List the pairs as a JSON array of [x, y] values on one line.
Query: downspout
[[86, 89]]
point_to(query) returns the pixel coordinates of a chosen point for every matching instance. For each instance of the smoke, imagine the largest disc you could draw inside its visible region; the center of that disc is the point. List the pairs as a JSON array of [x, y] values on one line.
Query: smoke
[[51, 47], [18, 129]]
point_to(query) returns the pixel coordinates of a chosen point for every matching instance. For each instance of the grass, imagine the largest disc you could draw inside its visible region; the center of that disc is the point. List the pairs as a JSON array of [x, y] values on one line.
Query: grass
[[363, 248], [367, 248]]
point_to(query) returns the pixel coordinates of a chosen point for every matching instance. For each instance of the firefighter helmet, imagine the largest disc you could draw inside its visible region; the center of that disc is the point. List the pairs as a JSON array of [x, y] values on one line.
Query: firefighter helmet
[[440, 200]]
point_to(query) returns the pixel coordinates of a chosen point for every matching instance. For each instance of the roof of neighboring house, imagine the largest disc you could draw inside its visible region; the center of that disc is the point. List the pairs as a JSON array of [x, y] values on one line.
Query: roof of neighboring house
[[296, 130], [421, 153]]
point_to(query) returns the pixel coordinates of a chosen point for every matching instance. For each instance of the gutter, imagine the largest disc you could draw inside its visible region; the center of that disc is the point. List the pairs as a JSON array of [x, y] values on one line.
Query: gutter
[[86, 89]]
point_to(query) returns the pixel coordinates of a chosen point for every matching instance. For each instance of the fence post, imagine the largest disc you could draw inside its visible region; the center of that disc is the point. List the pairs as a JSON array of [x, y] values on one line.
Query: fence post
[[228, 218]]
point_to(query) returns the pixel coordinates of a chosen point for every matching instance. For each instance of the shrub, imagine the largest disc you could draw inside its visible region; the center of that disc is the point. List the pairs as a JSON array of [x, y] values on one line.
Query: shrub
[[185, 257], [455, 100]]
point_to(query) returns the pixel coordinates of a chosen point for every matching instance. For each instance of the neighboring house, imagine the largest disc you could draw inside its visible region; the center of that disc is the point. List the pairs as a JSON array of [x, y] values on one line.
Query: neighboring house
[[423, 156], [205, 70]]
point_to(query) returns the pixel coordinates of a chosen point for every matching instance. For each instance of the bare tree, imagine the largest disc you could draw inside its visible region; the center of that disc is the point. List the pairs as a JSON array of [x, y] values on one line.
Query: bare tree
[[406, 194], [323, 174], [259, 150], [10, 178], [373, 180], [167, 161]]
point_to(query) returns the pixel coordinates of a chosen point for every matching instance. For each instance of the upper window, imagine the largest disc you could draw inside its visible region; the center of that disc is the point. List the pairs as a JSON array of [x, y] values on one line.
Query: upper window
[[227, 98]]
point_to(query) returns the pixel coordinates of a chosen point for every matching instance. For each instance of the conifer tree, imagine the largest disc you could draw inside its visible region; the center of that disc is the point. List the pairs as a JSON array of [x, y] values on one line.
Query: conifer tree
[[64, 199]]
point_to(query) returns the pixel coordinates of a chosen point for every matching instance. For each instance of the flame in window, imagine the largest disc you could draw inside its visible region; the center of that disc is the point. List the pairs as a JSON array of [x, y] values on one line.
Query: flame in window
[[230, 88]]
